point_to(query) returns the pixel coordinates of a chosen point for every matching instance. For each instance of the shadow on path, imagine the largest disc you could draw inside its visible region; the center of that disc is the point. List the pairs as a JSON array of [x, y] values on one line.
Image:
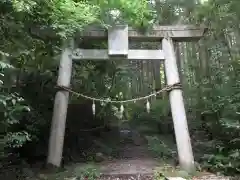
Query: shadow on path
[[133, 158]]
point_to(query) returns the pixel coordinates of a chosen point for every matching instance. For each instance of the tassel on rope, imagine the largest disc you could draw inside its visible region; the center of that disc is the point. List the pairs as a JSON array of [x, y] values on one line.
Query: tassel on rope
[[148, 106], [121, 111], [93, 108], [121, 95]]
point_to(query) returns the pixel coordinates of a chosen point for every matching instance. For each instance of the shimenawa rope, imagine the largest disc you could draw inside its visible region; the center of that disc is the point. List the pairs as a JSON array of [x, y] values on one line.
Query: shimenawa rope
[[167, 88]]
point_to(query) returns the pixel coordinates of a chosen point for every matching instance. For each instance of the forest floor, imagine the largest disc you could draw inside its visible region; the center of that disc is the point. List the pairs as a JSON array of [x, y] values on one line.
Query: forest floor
[[134, 162]]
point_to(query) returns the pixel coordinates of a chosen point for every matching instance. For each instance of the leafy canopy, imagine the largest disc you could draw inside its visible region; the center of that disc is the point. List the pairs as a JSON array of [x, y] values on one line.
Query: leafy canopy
[[68, 16]]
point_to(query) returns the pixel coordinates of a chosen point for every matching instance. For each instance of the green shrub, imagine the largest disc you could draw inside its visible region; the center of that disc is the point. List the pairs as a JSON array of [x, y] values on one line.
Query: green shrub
[[12, 109], [158, 148], [89, 172], [150, 122]]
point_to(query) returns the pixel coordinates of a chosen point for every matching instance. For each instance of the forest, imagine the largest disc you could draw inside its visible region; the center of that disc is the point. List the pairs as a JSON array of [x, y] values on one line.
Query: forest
[[33, 33]]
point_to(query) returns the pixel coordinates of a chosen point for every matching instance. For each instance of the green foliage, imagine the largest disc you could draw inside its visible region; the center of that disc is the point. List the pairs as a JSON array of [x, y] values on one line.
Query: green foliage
[[223, 160], [88, 172], [159, 176], [163, 172], [224, 123], [156, 126], [66, 17], [69, 16], [12, 110], [159, 149], [150, 122], [138, 14], [17, 139]]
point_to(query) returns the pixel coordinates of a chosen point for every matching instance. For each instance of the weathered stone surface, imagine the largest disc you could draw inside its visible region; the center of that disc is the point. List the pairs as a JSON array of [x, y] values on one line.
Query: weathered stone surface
[[177, 32], [118, 41], [101, 54]]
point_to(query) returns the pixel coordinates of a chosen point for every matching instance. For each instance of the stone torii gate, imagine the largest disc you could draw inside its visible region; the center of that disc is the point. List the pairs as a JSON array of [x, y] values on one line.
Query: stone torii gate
[[118, 40]]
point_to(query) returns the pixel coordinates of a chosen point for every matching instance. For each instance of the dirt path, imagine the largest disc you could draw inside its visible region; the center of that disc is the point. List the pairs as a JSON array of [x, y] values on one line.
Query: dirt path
[[134, 157], [130, 166], [134, 163]]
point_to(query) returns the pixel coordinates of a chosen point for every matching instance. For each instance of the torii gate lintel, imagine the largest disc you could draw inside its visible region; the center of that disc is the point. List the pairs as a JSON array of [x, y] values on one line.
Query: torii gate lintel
[[118, 38], [179, 33]]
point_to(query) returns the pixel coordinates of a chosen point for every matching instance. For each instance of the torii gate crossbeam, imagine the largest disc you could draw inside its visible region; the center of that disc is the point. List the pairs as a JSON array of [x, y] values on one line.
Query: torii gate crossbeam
[[118, 49]]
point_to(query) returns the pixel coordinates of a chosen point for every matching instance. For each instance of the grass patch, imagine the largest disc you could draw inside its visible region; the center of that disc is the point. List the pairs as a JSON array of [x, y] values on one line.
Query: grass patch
[[170, 171], [160, 147]]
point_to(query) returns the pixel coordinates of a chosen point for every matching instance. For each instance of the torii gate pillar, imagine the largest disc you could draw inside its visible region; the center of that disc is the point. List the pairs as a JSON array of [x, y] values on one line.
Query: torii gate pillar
[[184, 147], [56, 140]]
